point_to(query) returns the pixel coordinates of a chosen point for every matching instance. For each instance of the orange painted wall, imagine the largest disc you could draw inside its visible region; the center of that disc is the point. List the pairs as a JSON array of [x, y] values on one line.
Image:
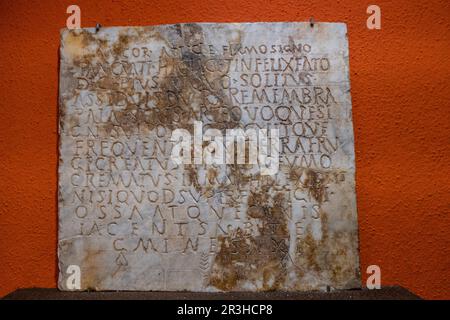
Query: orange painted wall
[[400, 79]]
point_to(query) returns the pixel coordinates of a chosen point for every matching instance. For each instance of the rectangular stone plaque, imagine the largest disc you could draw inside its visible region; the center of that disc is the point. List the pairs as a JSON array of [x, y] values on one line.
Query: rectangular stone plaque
[[134, 216]]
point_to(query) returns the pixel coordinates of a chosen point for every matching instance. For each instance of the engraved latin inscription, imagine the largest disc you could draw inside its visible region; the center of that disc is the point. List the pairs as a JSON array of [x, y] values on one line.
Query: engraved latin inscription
[[132, 218]]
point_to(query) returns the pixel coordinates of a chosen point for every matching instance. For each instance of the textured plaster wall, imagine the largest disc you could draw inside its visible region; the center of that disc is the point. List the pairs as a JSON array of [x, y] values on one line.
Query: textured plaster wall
[[400, 79]]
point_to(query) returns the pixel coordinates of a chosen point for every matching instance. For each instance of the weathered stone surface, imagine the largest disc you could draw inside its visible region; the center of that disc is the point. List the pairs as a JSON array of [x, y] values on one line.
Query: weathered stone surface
[[132, 218]]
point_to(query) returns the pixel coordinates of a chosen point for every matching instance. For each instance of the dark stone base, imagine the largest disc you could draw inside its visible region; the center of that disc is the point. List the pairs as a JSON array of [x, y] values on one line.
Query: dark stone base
[[386, 293]]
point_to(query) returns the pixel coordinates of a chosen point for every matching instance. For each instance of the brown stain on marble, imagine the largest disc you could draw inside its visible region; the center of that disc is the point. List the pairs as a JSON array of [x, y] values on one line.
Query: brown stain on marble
[[315, 182], [184, 85], [331, 256], [90, 273], [244, 257]]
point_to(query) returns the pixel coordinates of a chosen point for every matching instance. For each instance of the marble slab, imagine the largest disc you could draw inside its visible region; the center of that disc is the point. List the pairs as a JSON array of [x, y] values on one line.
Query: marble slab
[[133, 216]]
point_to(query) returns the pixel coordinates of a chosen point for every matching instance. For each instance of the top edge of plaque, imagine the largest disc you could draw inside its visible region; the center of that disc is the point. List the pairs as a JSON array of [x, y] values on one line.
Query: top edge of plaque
[[311, 26]]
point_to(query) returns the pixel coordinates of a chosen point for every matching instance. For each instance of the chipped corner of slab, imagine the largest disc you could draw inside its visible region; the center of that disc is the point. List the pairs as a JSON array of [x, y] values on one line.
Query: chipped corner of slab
[[132, 219]]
